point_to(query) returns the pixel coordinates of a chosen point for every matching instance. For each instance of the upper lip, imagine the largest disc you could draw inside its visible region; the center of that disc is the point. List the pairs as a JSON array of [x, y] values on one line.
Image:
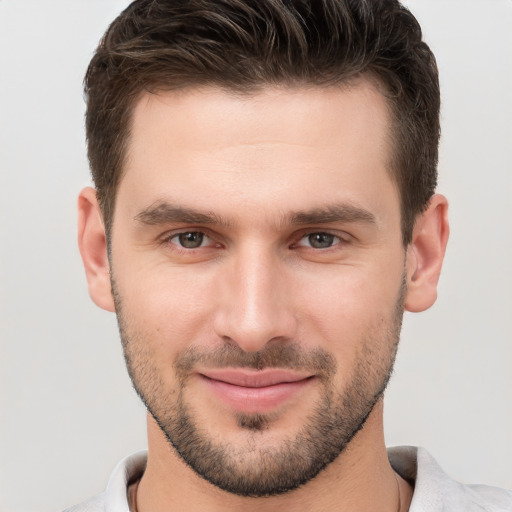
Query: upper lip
[[254, 378]]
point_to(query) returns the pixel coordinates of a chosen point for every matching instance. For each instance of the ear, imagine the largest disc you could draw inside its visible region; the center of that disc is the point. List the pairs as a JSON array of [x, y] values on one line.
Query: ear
[[425, 255], [93, 248]]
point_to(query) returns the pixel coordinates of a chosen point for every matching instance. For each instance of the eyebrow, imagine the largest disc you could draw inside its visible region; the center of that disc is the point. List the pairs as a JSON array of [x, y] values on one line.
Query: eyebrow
[[334, 213], [166, 213]]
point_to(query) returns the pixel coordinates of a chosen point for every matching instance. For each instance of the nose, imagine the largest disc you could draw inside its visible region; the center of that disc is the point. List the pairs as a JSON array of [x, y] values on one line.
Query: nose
[[255, 302]]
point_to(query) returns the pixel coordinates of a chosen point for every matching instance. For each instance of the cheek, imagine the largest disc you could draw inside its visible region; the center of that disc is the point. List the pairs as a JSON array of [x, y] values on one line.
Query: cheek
[[351, 294], [350, 309], [168, 310]]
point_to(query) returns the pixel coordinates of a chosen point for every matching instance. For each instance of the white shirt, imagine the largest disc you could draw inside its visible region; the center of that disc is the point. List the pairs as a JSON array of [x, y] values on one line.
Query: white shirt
[[434, 491]]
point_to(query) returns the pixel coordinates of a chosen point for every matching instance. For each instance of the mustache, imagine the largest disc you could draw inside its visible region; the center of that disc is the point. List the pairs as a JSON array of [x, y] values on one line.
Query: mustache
[[273, 355]]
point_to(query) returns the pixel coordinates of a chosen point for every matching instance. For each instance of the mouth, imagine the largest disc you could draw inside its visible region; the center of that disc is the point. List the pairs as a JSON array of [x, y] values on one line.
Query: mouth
[[255, 391]]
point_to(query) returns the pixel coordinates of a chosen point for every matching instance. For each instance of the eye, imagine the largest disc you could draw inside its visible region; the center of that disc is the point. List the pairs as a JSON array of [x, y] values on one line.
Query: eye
[[190, 239], [319, 240]]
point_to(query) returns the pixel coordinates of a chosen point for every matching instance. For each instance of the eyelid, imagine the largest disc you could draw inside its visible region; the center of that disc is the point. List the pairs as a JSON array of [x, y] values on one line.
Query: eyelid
[[336, 240], [168, 236], [204, 240], [341, 236]]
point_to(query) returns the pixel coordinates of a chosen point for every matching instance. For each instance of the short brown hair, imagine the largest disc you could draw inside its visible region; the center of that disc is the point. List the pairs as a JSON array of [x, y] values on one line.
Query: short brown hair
[[247, 44]]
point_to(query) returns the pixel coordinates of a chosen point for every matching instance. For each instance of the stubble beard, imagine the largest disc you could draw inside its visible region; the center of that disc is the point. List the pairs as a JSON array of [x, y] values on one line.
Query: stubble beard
[[260, 468]]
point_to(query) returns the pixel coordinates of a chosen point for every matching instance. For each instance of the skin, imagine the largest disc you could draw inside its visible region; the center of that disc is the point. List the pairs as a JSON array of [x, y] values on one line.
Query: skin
[[256, 281]]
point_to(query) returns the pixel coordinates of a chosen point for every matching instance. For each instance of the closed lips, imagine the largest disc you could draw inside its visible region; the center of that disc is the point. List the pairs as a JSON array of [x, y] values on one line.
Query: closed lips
[[254, 378]]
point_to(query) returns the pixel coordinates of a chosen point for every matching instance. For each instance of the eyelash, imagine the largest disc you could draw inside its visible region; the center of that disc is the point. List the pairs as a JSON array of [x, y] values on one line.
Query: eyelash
[[204, 236], [336, 240]]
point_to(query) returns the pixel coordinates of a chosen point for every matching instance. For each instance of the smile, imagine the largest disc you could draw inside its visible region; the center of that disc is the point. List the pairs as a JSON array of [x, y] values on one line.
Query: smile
[[256, 392]]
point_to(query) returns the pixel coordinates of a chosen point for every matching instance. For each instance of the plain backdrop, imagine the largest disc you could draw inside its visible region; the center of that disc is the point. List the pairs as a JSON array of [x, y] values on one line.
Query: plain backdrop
[[68, 412]]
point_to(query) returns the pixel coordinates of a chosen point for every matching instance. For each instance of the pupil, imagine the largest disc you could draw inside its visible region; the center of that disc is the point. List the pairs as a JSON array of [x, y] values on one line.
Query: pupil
[[321, 240], [191, 240]]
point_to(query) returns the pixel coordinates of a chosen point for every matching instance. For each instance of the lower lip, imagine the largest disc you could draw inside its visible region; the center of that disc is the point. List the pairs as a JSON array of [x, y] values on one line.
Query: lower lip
[[256, 400]]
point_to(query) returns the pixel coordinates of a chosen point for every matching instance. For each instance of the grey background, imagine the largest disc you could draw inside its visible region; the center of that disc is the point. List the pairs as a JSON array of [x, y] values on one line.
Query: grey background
[[68, 413]]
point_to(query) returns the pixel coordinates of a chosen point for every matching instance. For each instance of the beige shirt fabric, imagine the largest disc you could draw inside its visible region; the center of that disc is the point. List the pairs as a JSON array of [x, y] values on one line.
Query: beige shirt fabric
[[434, 491]]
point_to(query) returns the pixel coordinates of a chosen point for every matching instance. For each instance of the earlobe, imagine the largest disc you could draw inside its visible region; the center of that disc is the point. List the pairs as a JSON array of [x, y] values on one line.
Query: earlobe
[[93, 248], [425, 255]]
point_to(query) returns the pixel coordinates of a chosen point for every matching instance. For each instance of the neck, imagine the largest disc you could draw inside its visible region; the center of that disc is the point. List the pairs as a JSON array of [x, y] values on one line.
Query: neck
[[360, 479]]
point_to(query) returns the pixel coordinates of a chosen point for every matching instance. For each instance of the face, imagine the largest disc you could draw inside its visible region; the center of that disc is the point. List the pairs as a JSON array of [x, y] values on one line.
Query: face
[[258, 271]]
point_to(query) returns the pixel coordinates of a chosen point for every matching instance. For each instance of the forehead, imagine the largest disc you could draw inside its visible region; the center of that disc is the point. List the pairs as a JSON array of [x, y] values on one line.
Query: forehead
[[282, 113], [289, 146]]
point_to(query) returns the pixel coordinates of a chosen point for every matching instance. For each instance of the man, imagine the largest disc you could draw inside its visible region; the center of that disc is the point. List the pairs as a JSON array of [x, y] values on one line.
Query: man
[[264, 212]]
